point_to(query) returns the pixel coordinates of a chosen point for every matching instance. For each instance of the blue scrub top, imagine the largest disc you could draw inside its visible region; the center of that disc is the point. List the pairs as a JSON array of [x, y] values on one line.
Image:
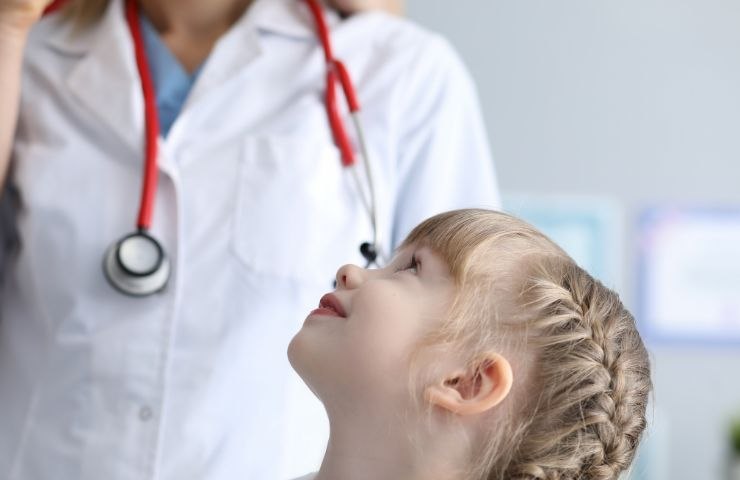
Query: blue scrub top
[[171, 82]]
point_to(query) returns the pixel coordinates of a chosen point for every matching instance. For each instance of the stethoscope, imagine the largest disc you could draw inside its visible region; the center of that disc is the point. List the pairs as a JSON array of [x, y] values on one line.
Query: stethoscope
[[137, 264]]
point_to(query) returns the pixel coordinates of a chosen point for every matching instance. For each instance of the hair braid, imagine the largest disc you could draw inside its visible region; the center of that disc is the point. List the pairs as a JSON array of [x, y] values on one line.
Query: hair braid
[[590, 412]]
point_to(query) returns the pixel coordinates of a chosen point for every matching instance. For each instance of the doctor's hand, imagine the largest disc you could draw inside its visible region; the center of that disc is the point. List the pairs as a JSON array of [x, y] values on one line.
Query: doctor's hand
[[353, 6], [20, 15]]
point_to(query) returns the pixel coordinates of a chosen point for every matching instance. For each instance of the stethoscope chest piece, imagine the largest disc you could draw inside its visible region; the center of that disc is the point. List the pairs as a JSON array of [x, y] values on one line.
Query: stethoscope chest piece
[[137, 265]]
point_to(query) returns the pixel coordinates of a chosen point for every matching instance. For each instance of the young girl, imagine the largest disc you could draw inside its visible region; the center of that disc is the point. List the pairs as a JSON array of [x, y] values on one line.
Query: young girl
[[481, 352]]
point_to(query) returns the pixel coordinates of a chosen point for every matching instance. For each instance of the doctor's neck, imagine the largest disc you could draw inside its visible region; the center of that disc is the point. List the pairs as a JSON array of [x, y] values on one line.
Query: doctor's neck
[[190, 28], [363, 446]]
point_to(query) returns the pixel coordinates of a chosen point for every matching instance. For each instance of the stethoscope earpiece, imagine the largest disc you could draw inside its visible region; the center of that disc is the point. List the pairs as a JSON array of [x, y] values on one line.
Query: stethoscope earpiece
[[137, 265]]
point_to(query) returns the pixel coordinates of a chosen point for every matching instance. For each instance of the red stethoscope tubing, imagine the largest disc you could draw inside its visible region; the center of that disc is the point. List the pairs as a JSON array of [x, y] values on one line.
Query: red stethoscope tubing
[[336, 71], [151, 119]]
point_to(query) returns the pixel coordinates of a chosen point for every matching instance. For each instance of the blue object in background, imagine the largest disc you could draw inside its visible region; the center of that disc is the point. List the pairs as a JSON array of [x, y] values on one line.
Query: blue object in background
[[689, 275], [590, 229]]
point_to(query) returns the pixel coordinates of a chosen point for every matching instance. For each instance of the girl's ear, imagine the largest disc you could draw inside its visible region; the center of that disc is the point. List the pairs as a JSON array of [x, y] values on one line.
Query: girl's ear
[[477, 389]]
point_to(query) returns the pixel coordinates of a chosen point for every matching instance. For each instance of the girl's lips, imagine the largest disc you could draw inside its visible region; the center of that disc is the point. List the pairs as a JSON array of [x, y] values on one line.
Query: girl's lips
[[329, 305], [327, 312]]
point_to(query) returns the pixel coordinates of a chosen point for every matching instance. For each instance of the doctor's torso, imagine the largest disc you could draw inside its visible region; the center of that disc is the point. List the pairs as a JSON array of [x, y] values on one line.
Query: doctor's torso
[[255, 212]]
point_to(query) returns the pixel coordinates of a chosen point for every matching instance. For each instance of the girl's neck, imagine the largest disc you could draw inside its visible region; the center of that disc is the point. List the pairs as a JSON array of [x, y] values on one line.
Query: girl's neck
[[190, 28], [364, 449]]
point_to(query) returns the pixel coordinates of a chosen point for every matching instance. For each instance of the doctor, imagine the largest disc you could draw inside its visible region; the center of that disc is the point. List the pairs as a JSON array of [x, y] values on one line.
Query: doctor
[[252, 210]]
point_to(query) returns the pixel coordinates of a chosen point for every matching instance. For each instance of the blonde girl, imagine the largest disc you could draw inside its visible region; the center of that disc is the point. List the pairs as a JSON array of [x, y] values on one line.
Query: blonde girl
[[483, 352]]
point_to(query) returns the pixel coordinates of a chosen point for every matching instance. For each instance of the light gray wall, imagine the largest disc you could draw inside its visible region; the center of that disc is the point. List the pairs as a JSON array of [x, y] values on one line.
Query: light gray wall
[[634, 99]]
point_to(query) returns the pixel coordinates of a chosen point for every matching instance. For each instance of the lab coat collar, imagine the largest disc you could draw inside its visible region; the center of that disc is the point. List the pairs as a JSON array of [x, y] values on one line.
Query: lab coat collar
[[286, 17], [242, 43], [236, 49], [289, 17], [105, 79]]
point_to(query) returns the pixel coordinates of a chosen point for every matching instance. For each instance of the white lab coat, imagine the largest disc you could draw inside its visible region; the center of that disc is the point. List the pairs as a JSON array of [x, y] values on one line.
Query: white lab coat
[[256, 214]]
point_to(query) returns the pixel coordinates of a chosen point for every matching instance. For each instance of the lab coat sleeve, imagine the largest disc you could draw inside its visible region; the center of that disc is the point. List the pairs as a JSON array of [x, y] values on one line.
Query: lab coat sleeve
[[444, 160]]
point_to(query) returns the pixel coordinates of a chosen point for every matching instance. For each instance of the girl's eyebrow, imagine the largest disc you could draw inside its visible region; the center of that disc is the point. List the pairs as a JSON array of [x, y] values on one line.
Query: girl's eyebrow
[[400, 251], [421, 250], [402, 257]]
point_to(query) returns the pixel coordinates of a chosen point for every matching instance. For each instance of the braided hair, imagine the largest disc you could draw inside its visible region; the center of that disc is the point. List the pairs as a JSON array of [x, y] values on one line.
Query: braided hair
[[578, 410], [594, 374]]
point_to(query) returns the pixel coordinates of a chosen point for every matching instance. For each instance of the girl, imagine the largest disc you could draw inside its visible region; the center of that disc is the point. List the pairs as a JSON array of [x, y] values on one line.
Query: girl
[[481, 352]]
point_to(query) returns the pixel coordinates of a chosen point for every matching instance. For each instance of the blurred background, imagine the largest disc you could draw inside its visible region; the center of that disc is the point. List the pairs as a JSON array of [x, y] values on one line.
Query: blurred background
[[615, 126]]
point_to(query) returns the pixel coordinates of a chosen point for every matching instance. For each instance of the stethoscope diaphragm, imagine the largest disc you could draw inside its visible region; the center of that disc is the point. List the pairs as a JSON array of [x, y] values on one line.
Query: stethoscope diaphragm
[[137, 265]]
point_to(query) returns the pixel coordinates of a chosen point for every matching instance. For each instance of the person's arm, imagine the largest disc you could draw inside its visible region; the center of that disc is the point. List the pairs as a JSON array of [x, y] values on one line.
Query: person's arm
[[353, 6], [444, 161], [16, 19]]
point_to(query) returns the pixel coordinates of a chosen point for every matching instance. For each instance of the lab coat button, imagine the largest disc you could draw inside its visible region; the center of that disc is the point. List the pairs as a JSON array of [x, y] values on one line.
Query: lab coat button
[[145, 414]]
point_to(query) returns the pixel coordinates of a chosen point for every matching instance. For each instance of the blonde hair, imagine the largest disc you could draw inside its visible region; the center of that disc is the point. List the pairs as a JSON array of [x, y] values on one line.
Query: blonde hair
[[578, 410]]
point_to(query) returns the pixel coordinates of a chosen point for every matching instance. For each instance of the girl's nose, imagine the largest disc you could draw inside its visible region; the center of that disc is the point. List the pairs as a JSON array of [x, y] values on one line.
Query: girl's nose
[[350, 276]]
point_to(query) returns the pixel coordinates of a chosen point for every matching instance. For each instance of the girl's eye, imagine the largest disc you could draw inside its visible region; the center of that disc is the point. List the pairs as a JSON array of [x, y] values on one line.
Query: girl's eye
[[412, 265]]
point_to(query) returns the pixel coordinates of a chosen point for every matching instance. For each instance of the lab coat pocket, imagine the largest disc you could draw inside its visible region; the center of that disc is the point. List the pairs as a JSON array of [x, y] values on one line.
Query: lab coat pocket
[[296, 215]]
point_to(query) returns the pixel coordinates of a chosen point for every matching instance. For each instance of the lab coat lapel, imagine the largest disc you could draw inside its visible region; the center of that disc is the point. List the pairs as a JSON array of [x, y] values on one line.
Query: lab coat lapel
[[105, 81], [241, 45], [287, 17], [291, 18], [233, 52]]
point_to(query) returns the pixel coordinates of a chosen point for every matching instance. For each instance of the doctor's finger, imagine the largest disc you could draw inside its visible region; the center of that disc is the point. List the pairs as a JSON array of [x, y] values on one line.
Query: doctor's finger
[[22, 14]]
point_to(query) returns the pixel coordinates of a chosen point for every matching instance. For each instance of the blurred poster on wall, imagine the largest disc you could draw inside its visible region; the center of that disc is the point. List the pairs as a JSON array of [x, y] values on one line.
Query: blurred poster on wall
[[689, 274], [589, 228]]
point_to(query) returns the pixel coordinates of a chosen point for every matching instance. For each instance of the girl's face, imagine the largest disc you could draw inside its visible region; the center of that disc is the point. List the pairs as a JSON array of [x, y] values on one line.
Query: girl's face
[[355, 348]]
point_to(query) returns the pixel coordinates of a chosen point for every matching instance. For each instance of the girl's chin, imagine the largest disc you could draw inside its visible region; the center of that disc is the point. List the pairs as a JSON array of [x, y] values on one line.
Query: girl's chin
[[304, 355]]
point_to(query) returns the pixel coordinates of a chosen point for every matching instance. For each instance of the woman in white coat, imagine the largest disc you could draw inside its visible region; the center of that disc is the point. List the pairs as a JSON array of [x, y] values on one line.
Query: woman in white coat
[[253, 208]]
